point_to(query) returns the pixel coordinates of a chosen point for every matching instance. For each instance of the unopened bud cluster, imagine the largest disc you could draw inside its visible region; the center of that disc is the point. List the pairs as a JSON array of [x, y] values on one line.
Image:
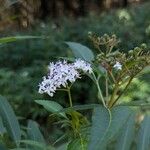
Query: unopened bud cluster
[[130, 63]]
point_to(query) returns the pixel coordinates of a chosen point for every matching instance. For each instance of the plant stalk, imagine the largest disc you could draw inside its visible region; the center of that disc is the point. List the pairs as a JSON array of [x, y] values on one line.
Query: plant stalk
[[110, 103], [122, 92], [70, 99], [99, 90], [106, 84]]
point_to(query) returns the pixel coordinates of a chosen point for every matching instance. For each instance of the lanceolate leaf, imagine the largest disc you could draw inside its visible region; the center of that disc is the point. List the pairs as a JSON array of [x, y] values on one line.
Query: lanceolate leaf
[[81, 51], [34, 132], [52, 107], [143, 142], [80, 107], [100, 124], [10, 121], [2, 128], [15, 38], [20, 149], [62, 147], [138, 104], [120, 116], [35, 144], [2, 147], [126, 135], [106, 125]]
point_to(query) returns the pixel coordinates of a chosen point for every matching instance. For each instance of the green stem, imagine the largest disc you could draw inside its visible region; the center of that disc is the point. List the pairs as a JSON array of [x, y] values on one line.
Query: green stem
[[99, 90], [110, 49], [99, 49], [111, 101], [112, 76], [69, 95], [100, 93], [106, 84], [122, 92]]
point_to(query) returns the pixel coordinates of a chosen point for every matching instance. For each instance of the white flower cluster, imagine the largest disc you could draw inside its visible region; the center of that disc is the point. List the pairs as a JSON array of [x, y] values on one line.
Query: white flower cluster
[[84, 66], [118, 66], [60, 73]]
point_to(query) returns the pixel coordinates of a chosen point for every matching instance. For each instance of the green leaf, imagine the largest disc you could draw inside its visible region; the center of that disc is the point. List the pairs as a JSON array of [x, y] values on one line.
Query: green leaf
[[2, 128], [35, 144], [143, 142], [20, 149], [136, 103], [34, 132], [99, 70], [52, 107], [127, 134], [15, 38], [79, 107], [100, 124], [106, 125], [62, 147], [81, 51], [61, 138], [2, 147], [10, 121]]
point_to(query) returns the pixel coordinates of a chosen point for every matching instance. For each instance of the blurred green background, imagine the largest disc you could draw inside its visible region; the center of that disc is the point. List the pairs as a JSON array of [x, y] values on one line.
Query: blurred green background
[[24, 63]]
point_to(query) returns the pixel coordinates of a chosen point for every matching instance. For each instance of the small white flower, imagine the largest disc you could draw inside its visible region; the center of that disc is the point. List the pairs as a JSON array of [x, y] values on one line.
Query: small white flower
[[118, 66], [60, 73], [83, 65]]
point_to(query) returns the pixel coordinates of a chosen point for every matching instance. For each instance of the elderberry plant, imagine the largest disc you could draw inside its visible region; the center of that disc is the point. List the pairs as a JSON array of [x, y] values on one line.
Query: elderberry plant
[[112, 71]]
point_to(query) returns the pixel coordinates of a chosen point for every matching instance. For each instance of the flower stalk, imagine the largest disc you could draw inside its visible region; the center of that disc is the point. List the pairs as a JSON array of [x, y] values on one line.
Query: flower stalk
[[99, 89], [69, 96]]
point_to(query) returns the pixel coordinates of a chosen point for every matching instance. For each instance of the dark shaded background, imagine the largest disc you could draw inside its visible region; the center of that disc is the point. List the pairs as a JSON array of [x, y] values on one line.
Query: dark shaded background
[[24, 13]]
